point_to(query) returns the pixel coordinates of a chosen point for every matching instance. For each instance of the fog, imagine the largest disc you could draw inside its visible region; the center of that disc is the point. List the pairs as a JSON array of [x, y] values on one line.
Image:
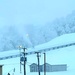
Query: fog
[[21, 21], [19, 12]]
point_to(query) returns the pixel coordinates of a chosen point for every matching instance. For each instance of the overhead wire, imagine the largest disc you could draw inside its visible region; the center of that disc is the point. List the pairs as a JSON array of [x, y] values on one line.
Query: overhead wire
[[41, 51]]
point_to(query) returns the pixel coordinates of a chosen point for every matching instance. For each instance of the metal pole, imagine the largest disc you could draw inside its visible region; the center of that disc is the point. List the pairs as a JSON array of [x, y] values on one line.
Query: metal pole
[[38, 63], [24, 62], [44, 63], [20, 61]]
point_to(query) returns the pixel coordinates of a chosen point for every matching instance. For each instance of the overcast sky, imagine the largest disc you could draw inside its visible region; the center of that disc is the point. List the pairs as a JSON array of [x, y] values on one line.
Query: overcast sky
[[33, 11]]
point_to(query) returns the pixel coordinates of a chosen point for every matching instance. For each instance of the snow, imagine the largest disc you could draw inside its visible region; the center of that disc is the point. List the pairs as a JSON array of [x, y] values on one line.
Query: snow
[[53, 57], [61, 40]]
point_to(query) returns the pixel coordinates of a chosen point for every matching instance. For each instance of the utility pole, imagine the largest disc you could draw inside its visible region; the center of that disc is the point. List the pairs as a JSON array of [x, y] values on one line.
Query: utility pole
[[38, 62], [44, 63], [24, 61]]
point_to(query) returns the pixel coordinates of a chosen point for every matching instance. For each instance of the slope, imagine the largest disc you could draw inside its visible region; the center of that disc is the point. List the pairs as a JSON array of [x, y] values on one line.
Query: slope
[[59, 56]]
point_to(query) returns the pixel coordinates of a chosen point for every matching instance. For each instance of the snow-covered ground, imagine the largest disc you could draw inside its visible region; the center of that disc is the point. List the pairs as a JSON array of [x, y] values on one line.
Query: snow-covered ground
[[53, 57]]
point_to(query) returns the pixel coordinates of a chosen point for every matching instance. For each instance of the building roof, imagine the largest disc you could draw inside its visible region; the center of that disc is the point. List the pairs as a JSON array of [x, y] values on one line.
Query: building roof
[[33, 64]]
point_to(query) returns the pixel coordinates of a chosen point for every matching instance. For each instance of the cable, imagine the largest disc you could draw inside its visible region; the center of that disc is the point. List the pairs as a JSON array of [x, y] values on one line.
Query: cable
[[9, 71], [11, 64], [41, 51]]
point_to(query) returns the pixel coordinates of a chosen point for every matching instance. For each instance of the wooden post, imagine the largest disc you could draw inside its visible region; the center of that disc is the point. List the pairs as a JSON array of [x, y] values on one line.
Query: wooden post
[[1, 69]]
